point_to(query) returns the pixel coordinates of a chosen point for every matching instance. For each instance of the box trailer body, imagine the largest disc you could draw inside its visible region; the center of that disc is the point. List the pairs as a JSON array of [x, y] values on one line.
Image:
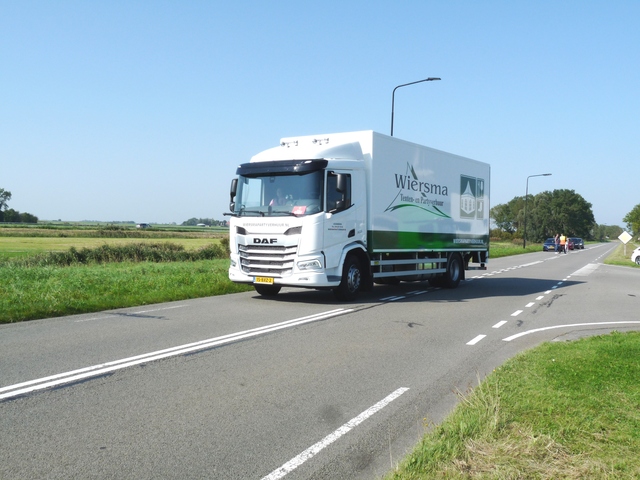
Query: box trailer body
[[346, 210]]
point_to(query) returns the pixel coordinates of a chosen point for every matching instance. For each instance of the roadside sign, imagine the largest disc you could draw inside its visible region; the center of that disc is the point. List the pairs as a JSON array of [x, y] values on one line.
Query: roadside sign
[[624, 238]]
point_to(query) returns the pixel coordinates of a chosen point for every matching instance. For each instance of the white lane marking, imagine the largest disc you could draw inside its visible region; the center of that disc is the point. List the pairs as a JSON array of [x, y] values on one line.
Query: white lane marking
[[586, 270], [530, 304], [530, 264], [128, 314], [101, 369], [540, 297], [516, 313], [499, 324], [547, 292], [329, 439], [392, 299], [476, 340], [572, 325]]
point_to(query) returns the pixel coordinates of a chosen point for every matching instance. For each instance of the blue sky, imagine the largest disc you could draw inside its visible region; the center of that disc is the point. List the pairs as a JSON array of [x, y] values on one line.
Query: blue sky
[[141, 110]]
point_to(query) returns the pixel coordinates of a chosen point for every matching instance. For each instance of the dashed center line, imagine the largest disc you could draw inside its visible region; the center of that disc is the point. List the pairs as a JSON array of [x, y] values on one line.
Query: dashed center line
[[476, 340], [587, 270], [329, 439]]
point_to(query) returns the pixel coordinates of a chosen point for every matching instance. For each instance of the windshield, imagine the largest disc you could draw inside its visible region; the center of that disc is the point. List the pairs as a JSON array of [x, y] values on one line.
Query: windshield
[[280, 195]]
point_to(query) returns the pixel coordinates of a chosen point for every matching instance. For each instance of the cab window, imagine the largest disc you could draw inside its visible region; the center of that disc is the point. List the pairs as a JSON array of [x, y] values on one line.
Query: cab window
[[338, 191]]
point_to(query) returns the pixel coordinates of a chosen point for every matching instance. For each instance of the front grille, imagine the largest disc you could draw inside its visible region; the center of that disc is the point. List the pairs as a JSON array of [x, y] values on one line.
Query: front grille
[[267, 260]]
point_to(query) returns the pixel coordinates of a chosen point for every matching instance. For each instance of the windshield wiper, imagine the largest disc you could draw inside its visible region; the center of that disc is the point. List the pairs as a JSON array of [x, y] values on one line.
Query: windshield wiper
[[257, 212]]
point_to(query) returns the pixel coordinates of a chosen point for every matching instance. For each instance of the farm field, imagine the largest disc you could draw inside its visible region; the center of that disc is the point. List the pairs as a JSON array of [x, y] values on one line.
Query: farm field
[[11, 247]]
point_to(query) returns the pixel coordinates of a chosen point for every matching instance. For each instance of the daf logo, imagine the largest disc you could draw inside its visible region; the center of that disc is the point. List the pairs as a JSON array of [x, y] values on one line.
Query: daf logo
[[265, 240]]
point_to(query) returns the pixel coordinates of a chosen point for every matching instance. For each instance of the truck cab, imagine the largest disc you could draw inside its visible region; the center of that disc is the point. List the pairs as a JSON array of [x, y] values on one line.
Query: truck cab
[[294, 222]]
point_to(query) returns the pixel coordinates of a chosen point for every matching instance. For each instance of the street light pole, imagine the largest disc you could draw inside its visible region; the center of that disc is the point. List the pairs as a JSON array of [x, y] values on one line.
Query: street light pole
[[526, 197], [393, 95]]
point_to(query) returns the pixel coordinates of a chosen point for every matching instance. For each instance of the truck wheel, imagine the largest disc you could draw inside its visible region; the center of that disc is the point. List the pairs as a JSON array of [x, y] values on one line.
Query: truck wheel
[[267, 290], [351, 279], [454, 271]]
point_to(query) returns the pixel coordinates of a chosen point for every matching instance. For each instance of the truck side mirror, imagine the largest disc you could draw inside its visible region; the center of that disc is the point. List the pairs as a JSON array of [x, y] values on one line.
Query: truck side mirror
[[342, 186], [232, 194]]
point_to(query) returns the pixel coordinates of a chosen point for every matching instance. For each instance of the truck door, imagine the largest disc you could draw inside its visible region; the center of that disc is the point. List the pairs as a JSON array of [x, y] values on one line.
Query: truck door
[[340, 217]]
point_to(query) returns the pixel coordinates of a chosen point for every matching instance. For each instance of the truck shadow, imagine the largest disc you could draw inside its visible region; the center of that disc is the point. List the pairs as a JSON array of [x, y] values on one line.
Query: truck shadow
[[484, 287]]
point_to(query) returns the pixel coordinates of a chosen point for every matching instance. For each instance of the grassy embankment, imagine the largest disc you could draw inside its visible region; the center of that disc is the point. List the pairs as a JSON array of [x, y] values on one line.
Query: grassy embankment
[[88, 270], [567, 410]]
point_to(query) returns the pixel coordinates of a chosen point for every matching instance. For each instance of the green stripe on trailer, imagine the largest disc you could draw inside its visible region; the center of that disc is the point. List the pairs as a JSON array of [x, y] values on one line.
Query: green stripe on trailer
[[387, 241]]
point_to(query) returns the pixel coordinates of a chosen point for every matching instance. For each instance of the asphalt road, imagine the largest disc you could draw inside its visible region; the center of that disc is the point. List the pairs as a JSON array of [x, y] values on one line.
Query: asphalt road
[[296, 387]]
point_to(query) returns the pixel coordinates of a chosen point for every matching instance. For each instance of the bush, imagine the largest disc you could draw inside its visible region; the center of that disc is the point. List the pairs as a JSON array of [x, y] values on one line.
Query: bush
[[134, 252]]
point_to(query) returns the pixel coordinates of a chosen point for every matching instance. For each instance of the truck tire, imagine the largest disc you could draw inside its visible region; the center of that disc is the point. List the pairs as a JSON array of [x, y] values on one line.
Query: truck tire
[[267, 290], [453, 274], [351, 279]]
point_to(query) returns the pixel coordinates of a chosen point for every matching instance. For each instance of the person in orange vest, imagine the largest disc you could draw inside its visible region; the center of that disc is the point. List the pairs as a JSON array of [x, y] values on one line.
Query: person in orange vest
[[563, 243]]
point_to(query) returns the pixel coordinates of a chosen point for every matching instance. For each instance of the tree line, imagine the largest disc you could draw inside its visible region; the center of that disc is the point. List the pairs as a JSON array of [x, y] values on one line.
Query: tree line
[[561, 211], [9, 214], [209, 222]]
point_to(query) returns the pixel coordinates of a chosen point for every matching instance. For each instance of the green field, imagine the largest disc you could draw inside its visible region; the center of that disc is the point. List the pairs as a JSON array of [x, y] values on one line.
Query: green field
[[11, 247]]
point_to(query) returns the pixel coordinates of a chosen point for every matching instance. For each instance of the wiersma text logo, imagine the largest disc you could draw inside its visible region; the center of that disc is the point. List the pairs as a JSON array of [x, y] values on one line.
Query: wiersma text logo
[[413, 193]]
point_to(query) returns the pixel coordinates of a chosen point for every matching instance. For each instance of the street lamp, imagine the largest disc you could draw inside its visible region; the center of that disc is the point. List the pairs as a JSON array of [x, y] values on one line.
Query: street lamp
[[393, 95], [526, 196]]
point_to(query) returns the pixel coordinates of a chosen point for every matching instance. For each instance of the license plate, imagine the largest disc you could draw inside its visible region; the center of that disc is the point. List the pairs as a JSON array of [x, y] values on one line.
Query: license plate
[[265, 280]]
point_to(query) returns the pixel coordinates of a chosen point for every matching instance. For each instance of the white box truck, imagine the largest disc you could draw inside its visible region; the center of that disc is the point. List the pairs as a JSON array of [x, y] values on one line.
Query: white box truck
[[343, 211]]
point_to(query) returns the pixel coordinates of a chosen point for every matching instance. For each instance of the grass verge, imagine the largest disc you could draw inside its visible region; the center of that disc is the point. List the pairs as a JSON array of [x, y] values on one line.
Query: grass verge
[[621, 256], [28, 293], [506, 249], [111, 276], [562, 410]]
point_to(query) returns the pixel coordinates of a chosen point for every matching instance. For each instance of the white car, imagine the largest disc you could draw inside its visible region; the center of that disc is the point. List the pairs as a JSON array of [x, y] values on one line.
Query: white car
[[635, 256]]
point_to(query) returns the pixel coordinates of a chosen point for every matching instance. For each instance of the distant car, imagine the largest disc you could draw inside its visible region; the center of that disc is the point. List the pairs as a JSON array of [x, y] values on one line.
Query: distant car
[[635, 256], [143, 225], [549, 244], [578, 244]]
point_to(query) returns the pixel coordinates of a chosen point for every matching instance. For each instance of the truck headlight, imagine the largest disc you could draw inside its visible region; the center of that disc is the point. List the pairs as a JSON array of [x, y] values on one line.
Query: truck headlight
[[309, 264]]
